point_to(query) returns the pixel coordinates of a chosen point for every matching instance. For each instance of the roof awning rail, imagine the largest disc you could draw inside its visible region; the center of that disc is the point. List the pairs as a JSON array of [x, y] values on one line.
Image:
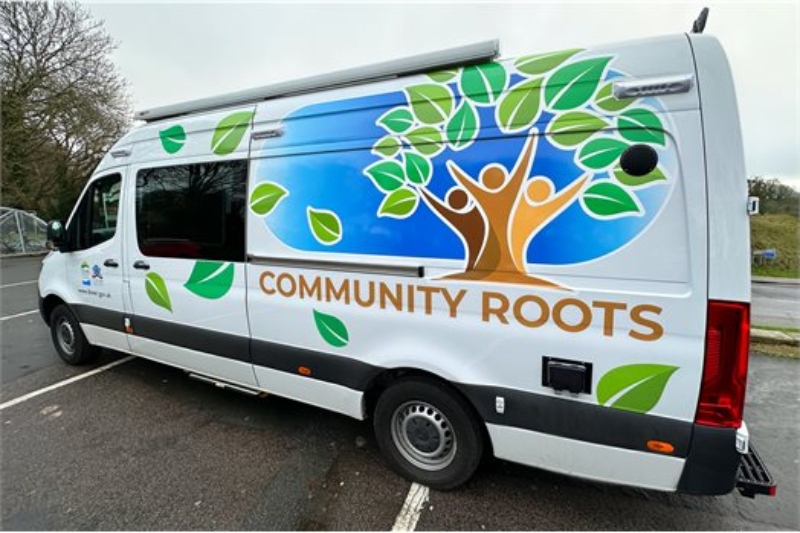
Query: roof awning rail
[[429, 62]]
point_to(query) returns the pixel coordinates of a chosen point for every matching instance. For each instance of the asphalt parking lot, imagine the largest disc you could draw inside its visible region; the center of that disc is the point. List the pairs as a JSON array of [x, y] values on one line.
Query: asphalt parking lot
[[140, 446]]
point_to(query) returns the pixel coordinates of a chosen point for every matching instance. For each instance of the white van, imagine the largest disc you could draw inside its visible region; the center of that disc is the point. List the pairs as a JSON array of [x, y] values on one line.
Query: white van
[[543, 258]]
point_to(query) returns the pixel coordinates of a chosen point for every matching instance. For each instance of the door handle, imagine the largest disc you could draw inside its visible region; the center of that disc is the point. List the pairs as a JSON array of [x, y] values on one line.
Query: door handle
[[142, 265], [110, 263]]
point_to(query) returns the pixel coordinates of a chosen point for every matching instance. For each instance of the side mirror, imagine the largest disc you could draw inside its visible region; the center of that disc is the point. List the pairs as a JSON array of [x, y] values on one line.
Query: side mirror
[[55, 234]]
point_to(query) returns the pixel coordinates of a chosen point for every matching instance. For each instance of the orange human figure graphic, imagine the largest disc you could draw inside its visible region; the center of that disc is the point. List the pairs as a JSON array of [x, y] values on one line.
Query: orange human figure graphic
[[537, 205]]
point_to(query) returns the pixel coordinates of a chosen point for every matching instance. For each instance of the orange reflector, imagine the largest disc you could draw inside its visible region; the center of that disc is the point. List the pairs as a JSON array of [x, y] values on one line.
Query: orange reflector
[[660, 447], [304, 370]]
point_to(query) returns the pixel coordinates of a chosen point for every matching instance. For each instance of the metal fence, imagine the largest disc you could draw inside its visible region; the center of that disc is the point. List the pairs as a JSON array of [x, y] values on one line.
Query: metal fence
[[21, 233]]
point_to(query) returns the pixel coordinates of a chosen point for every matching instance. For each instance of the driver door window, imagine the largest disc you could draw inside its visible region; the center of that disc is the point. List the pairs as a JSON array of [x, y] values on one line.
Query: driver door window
[[95, 222]]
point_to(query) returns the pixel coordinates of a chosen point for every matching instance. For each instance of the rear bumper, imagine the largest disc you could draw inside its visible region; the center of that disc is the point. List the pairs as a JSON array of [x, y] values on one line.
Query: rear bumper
[[721, 459]]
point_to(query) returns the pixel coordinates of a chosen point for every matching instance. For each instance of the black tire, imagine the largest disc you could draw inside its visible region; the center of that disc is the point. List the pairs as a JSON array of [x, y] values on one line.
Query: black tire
[[428, 433], [68, 338]]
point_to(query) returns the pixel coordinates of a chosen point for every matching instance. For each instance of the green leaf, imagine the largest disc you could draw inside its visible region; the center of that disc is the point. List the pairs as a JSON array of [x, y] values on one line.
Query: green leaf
[[571, 129], [418, 168], [398, 120], [443, 76], [325, 226], [541, 63], [229, 132], [265, 197], [332, 330], [572, 85], [606, 200], [430, 103], [210, 279], [387, 146], [519, 107], [426, 140], [387, 175], [636, 388], [156, 290], [641, 126], [463, 126], [601, 153], [400, 204], [483, 84], [172, 138], [636, 181], [606, 100]]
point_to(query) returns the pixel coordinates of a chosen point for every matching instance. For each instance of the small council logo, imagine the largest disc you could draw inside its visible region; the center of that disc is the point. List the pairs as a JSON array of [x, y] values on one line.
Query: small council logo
[[86, 277]]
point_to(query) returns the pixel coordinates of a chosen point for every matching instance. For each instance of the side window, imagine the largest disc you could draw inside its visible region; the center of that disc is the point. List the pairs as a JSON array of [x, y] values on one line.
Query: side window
[[192, 211], [95, 221]]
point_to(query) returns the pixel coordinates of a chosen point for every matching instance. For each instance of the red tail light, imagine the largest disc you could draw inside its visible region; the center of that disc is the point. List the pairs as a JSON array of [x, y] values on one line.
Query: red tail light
[[725, 367]]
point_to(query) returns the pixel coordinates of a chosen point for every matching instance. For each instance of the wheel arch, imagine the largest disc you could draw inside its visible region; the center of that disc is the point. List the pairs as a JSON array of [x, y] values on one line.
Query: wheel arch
[[382, 381], [49, 303]]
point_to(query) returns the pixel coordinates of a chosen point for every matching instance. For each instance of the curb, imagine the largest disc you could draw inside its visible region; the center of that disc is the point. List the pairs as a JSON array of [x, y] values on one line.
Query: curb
[[774, 337], [784, 281]]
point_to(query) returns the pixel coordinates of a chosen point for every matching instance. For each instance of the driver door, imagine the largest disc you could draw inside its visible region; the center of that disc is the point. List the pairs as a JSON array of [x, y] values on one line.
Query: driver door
[[94, 272]]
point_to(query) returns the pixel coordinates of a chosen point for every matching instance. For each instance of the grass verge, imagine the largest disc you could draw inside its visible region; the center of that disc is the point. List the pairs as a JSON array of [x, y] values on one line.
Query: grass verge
[[774, 272], [780, 233]]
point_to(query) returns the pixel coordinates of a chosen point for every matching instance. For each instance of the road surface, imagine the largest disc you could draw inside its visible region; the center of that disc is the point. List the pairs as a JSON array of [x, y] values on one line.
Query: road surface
[[776, 304], [141, 446]]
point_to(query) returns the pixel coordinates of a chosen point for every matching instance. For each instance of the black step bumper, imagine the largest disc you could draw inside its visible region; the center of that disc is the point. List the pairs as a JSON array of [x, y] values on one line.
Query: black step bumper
[[753, 477]]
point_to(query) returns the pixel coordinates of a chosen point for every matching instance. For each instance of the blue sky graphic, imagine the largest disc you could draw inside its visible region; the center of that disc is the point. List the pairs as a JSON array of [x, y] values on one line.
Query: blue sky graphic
[[321, 157]]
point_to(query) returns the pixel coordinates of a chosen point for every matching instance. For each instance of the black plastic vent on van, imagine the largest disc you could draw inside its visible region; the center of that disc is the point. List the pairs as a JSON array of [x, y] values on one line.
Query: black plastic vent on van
[[567, 375], [638, 160]]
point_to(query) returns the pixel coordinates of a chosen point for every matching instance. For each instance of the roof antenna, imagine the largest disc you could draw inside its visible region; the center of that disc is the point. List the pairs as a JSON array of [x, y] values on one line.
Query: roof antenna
[[700, 23]]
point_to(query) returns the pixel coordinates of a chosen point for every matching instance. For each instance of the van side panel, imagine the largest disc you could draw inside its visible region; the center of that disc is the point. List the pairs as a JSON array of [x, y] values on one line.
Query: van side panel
[[728, 222], [363, 259]]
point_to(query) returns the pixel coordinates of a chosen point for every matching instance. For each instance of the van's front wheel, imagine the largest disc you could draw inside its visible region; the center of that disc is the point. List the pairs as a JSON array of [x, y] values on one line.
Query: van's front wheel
[[68, 338], [428, 433]]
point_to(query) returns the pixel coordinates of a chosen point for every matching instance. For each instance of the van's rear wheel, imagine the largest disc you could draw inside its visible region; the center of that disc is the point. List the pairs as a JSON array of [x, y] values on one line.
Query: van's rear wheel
[[428, 433], [68, 338]]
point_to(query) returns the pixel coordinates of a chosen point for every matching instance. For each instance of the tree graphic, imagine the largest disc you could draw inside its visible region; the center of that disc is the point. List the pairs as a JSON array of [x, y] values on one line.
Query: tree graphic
[[549, 98]]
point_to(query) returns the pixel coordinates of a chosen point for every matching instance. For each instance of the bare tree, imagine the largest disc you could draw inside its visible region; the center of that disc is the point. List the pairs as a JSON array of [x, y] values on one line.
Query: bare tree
[[63, 102]]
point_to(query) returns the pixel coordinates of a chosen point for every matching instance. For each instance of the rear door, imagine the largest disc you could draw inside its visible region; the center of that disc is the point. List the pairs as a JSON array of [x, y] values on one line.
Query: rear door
[[186, 244]]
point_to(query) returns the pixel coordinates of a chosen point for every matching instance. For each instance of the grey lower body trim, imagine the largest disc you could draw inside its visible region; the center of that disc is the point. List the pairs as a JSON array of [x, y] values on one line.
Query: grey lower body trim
[[713, 462], [524, 410], [202, 340], [194, 338], [332, 368], [579, 421], [97, 316]]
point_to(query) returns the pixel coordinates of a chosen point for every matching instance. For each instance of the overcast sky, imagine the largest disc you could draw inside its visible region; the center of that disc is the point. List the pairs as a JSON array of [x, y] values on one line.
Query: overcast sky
[[182, 51]]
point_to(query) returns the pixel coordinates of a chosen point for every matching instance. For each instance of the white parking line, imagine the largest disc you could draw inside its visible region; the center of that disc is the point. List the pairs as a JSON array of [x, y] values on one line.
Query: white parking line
[[60, 384], [412, 507], [26, 313], [18, 284]]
